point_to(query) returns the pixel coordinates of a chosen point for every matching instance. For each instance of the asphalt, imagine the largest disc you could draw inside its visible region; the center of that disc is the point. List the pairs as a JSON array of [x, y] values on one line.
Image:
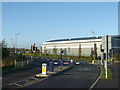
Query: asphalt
[[80, 76], [101, 84], [110, 83], [27, 77], [17, 76]]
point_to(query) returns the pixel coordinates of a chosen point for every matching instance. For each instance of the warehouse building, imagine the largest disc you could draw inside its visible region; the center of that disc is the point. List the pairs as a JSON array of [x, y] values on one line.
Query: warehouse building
[[85, 46]]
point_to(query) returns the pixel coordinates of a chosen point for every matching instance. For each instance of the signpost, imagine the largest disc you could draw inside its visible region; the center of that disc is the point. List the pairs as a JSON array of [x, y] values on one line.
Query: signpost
[[107, 46], [106, 55]]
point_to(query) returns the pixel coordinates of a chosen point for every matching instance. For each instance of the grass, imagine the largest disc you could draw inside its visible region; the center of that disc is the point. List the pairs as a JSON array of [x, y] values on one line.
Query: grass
[[11, 68], [65, 57], [103, 75]]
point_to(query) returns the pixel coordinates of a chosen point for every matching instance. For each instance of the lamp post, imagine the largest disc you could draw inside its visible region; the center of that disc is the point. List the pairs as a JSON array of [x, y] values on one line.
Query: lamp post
[[12, 43], [16, 41]]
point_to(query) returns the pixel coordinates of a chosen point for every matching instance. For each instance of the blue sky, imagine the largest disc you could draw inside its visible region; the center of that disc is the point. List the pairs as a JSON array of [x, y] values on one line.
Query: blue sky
[[38, 22]]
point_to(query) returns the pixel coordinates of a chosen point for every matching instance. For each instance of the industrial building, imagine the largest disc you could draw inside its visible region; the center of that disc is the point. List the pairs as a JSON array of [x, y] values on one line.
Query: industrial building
[[84, 46]]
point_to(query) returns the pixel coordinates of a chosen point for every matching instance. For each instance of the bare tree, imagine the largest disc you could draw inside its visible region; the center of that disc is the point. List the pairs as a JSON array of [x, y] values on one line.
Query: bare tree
[[79, 51], [55, 50], [95, 51]]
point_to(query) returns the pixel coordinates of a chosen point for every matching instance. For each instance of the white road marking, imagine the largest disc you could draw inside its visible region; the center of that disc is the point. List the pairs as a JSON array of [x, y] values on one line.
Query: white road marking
[[16, 84], [96, 80], [35, 78]]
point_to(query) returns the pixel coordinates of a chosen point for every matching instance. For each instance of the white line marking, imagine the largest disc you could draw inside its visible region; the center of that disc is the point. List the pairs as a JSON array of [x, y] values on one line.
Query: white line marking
[[96, 80], [18, 84], [35, 82], [35, 78]]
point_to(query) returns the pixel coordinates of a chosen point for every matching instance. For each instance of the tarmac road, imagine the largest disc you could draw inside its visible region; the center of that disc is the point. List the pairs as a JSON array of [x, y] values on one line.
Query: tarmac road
[[80, 76], [20, 75]]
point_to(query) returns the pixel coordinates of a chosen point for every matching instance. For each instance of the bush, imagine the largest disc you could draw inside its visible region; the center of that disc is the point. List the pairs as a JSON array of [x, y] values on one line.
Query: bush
[[8, 61], [117, 57]]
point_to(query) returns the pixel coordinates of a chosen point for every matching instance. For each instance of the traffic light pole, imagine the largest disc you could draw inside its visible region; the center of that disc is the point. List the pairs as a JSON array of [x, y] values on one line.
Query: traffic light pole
[[61, 51]]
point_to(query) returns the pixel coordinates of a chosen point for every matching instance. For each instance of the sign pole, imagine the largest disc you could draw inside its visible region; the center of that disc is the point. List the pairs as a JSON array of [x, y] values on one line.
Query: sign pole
[[106, 56]]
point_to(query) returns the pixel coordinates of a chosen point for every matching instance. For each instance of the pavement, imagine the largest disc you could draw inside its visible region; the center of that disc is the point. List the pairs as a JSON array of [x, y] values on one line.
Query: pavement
[[110, 83]]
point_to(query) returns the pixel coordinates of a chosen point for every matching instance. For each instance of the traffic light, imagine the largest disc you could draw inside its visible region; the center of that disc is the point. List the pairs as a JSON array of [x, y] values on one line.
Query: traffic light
[[102, 50]]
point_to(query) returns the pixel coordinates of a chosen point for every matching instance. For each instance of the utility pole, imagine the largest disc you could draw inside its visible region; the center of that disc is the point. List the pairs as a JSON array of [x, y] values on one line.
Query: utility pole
[[12, 43]]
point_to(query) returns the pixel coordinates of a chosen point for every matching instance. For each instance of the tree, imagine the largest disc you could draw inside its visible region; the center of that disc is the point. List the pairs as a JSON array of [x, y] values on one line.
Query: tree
[[79, 51], [5, 51], [95, 51], [55, 50], [65, 52]]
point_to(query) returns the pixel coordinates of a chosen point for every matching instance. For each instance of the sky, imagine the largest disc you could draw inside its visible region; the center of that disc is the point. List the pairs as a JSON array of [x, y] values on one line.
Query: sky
[[38, 22]]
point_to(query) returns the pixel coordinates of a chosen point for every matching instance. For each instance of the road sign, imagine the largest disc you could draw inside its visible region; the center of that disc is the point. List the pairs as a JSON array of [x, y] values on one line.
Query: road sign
[[44, 68], [104, 42]]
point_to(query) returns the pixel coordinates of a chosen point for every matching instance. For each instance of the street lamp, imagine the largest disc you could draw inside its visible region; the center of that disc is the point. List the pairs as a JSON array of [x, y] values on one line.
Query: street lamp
[[16, 41], [12, 43]]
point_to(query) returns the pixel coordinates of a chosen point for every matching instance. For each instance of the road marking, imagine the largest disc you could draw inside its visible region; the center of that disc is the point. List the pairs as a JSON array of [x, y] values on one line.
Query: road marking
[[16, 84], [35, 78], [36, 81], [96, 80]]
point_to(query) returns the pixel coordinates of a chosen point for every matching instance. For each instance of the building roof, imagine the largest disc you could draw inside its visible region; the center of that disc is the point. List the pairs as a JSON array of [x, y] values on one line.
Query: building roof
[[71, 39]]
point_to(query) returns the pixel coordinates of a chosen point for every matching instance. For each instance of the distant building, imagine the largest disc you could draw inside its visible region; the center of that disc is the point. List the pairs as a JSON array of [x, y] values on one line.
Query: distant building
[[33, 48], [84, 46]]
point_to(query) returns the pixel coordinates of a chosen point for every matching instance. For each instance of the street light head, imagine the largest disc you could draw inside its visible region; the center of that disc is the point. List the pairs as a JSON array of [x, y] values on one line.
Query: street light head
[[18, 33], [92, 32]]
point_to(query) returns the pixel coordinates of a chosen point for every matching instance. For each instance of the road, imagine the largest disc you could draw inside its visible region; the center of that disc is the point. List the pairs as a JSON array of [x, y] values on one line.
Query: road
[[20, 75], [80, 76]]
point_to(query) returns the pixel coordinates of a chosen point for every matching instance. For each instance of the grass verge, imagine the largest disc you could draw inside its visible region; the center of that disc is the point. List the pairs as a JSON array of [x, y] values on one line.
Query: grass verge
[[103, 75]]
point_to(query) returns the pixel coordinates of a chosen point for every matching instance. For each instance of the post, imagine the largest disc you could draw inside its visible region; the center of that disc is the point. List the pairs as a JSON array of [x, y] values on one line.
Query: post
[[15, 62], [22, 62], [61, 56], [102, 58], [16, 41], [40, 51], [106, 56]]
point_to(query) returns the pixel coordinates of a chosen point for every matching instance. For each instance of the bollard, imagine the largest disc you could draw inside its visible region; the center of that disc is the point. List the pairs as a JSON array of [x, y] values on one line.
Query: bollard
[[44, 68], [51, 66], [60, 63], [93, 61]]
